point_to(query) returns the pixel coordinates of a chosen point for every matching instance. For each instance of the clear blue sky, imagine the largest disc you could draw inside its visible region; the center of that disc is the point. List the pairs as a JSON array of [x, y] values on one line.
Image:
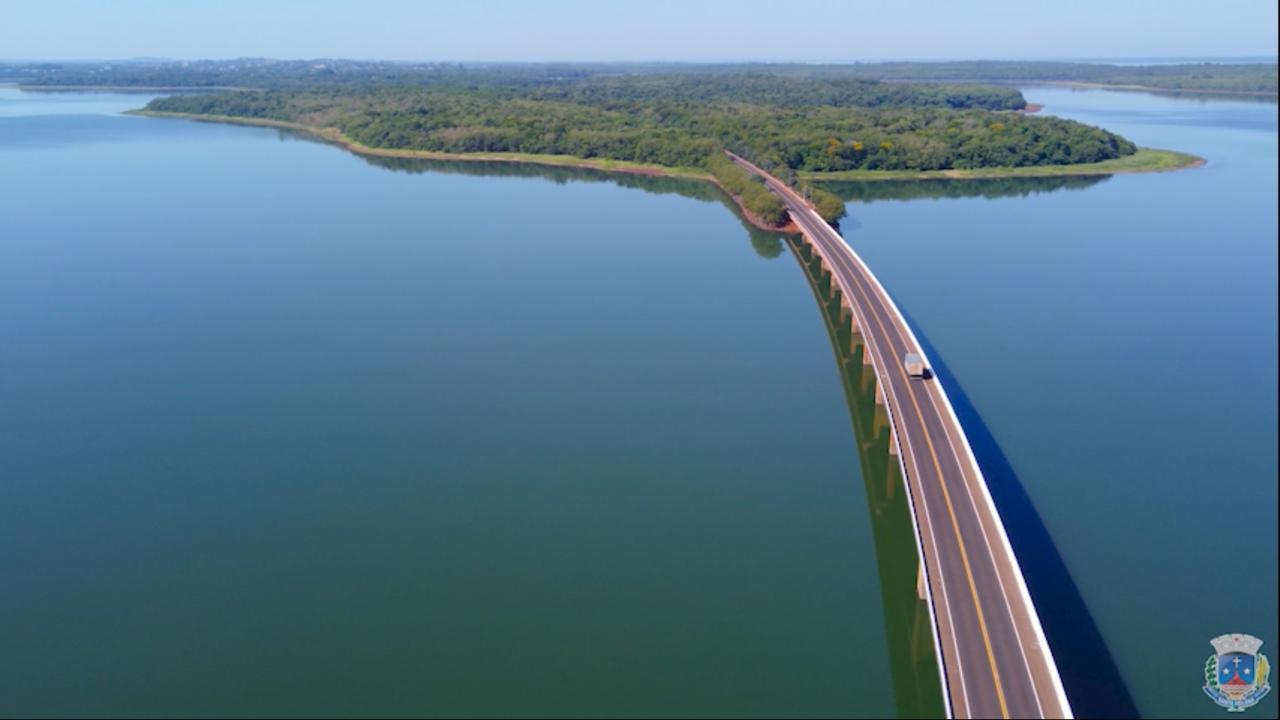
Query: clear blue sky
[[696, 30]]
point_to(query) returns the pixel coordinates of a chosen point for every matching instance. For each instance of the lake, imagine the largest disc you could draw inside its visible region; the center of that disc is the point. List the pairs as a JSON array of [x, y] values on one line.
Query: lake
[[286, 431], [1118, 339]]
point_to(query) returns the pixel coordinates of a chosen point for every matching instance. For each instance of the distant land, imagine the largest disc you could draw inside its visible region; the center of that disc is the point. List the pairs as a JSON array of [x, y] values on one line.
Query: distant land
[[1234, 75], [802, 123]]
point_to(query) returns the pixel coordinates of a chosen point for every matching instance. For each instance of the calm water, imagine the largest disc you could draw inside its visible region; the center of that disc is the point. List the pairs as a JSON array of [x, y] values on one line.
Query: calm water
[[1118, 337], [286, 431]]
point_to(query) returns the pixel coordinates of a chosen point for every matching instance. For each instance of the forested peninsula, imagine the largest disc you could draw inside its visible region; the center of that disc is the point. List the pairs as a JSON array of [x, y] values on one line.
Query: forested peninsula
[[789, 124], [801, 123]]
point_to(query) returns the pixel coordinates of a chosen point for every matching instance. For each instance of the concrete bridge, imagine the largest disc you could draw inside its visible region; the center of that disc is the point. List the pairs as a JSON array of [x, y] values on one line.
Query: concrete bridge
[[994, 659]]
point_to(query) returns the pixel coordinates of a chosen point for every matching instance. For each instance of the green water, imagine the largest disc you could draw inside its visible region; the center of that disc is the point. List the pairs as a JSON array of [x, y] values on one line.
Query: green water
[[917, 685], [286, 432]]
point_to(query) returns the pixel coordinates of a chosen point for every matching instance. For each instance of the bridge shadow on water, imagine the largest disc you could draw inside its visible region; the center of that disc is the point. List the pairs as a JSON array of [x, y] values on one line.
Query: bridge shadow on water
[[1093, 683], [1092, 680], [1090, 676]]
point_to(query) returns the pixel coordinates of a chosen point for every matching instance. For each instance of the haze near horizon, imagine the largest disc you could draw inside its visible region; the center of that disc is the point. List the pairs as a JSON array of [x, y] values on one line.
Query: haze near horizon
[[575, 30]]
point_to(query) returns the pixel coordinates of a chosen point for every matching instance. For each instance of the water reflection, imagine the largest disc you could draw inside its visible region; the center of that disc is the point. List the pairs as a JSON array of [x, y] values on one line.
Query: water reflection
[[917, 688], [767, 244], [990, 188], [1089, 670]]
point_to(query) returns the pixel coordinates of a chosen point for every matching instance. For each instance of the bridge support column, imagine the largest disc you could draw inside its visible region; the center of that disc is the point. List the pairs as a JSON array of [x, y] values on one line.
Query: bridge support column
[[856, 345]]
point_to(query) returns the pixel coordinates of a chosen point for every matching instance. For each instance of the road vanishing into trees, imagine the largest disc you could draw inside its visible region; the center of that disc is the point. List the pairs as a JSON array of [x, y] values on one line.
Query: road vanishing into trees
[[994, 658]]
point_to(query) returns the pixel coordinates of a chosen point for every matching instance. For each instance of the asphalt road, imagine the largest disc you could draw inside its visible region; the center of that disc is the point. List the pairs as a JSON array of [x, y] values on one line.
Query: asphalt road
[[995, 663]]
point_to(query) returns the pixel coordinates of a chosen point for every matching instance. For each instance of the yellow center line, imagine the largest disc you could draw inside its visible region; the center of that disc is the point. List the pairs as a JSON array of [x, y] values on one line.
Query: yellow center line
[[955, 525], [946, 495]]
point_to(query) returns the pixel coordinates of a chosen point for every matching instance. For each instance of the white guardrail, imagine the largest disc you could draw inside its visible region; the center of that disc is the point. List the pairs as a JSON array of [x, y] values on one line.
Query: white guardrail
[[1005, 545], [882, 387]]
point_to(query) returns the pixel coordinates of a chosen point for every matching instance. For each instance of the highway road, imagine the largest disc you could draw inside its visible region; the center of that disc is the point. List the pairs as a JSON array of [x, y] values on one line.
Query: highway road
[[995, 660]]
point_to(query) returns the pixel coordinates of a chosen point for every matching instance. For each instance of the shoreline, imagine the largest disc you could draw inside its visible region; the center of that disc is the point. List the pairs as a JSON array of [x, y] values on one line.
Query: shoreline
[[336, 137], [1083, 84], [1145, 160], [125, 89], [1151, 89]]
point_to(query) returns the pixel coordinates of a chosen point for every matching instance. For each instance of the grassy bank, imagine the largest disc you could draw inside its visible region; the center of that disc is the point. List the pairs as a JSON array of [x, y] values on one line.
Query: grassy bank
[[1145, 160], [335, 136]]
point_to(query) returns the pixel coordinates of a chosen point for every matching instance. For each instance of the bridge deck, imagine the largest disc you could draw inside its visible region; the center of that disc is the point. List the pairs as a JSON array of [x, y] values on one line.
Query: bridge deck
[[995, 660]]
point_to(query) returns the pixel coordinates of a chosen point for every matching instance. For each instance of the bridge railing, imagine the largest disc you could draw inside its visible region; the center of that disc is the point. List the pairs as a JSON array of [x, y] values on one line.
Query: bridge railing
[[879, 362], [974, 469]]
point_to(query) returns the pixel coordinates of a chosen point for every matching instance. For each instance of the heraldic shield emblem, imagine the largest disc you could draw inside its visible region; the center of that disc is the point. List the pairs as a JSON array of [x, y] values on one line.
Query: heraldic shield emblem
[[1235, 676]]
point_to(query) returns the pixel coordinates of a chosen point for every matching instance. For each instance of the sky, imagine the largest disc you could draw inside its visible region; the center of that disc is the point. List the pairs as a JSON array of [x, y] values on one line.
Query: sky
[[619, 30]]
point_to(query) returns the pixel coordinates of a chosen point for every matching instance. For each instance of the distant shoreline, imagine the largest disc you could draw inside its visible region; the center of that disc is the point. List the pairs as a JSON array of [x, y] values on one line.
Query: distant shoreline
[[336, 137], [1145, 160], [1150, 89], [1085, 85], [1002, 82], [125, 89]]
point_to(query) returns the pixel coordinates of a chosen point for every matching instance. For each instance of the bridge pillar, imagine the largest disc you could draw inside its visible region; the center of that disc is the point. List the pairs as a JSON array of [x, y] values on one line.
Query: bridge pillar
[[880, 422], [846, 319]]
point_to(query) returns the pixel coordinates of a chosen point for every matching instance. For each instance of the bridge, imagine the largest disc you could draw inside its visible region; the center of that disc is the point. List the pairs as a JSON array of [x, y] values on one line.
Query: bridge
[[993, 656]]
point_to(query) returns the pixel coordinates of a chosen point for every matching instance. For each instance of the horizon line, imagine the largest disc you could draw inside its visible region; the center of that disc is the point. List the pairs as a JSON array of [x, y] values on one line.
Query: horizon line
[[1185, 59]]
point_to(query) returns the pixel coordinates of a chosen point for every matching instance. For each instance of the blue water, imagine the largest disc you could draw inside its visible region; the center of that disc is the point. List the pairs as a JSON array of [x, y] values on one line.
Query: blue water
[[1119, 340], [284, 431]]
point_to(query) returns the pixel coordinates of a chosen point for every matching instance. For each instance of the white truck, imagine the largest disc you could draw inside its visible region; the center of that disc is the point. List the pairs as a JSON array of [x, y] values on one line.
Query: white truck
[[915, 365]]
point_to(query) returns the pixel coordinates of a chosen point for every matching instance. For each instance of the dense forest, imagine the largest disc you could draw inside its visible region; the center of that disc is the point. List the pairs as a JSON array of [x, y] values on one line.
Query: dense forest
[[1260, 78], [787, 124], [786, 118], [677, 130]]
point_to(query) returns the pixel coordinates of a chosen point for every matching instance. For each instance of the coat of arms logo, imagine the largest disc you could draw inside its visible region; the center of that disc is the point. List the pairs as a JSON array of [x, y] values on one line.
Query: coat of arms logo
[[1235, 676]]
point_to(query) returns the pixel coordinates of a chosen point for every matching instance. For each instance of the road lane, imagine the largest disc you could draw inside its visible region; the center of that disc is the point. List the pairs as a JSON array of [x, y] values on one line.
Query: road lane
[[990, 640]]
